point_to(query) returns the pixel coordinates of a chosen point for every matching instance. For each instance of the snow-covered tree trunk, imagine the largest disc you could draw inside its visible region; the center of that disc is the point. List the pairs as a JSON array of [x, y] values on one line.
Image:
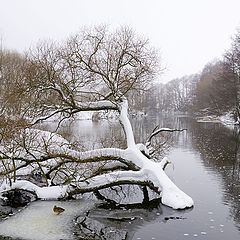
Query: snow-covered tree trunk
[[151, 171], [120, 166], [92, 71]]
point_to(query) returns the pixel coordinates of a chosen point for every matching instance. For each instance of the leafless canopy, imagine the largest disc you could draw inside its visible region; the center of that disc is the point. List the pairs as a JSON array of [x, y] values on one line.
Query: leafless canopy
[[93, 65], [93, 70]]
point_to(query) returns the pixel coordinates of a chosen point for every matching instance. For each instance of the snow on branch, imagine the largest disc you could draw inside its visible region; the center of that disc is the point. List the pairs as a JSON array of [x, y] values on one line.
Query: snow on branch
[[108, 167], [92, 71], [112, 179], [53, 192], [156, 131], [113, 156], [96, 106]]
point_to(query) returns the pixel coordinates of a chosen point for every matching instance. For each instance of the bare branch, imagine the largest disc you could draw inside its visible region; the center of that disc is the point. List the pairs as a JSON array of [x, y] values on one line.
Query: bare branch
[[160, 130]]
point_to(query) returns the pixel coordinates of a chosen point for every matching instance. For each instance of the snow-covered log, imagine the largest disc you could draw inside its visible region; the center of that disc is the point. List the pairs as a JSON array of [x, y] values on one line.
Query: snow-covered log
[[110, 166], [45, 193], [91, 71]]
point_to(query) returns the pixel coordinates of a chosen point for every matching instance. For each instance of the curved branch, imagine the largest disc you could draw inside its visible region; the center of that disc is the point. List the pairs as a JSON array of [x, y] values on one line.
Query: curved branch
[[51, 115], [97, 155], [157, 131], [88, 106], [71, 156]]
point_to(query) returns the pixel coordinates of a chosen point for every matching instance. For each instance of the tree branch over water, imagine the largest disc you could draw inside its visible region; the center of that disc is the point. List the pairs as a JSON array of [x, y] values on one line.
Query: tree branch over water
[[93, 70]]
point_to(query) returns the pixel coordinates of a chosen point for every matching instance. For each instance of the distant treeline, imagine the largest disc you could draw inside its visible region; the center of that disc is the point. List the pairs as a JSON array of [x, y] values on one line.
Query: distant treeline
[[215, 90]]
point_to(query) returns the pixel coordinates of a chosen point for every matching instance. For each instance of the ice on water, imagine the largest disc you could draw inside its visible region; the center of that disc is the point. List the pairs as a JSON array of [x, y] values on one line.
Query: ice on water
[[39, 222]]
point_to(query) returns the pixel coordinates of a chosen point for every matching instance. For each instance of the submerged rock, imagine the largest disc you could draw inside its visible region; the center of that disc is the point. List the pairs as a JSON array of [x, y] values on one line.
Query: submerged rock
[[18, 198]]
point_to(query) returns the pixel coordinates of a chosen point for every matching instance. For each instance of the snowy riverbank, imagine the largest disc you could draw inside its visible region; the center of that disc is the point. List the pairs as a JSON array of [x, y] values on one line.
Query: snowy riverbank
[[226, 119]]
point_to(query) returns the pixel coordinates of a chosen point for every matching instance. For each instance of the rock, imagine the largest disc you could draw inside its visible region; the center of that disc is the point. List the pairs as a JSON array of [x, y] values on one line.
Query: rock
[[93, 229], [18, 198], [4, 210]]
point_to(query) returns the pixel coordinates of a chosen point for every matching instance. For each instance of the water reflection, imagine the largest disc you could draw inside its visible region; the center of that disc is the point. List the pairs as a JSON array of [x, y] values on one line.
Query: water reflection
[[218, 147], [207, 168], [90, 134]]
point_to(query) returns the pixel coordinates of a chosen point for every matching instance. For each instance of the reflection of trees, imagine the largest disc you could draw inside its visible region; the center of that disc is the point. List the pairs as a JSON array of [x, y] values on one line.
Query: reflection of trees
[[220, 151], [89, 134], [108, 223], [143, 127]]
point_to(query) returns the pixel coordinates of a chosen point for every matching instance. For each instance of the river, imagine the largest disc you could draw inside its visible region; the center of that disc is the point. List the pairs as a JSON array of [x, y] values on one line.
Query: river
[[205, 164]]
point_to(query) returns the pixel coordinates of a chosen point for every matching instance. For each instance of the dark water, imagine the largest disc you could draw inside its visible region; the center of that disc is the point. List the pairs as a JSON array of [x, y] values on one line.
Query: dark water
[[206, 166], [206, 160]]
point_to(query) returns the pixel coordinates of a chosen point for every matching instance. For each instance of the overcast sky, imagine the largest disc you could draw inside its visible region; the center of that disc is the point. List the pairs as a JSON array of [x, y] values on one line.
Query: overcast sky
[[188, 33]]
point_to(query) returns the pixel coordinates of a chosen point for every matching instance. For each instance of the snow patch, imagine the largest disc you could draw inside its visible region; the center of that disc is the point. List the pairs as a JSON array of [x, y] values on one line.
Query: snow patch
[[52, 192]]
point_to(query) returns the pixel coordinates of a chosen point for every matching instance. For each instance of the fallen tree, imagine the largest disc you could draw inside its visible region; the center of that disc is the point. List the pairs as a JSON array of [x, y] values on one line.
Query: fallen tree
[[94, 70]]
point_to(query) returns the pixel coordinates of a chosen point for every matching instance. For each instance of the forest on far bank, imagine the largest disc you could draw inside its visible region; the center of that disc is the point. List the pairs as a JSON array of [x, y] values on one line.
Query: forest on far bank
[[214, 91]]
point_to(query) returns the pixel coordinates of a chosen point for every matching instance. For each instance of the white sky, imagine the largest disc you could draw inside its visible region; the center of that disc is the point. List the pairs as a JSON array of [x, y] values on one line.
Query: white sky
[[189, 33]]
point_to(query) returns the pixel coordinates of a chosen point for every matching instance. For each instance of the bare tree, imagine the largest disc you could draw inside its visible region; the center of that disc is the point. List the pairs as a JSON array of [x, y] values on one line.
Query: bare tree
[[12, 84], [94, 70], [232, 61]]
